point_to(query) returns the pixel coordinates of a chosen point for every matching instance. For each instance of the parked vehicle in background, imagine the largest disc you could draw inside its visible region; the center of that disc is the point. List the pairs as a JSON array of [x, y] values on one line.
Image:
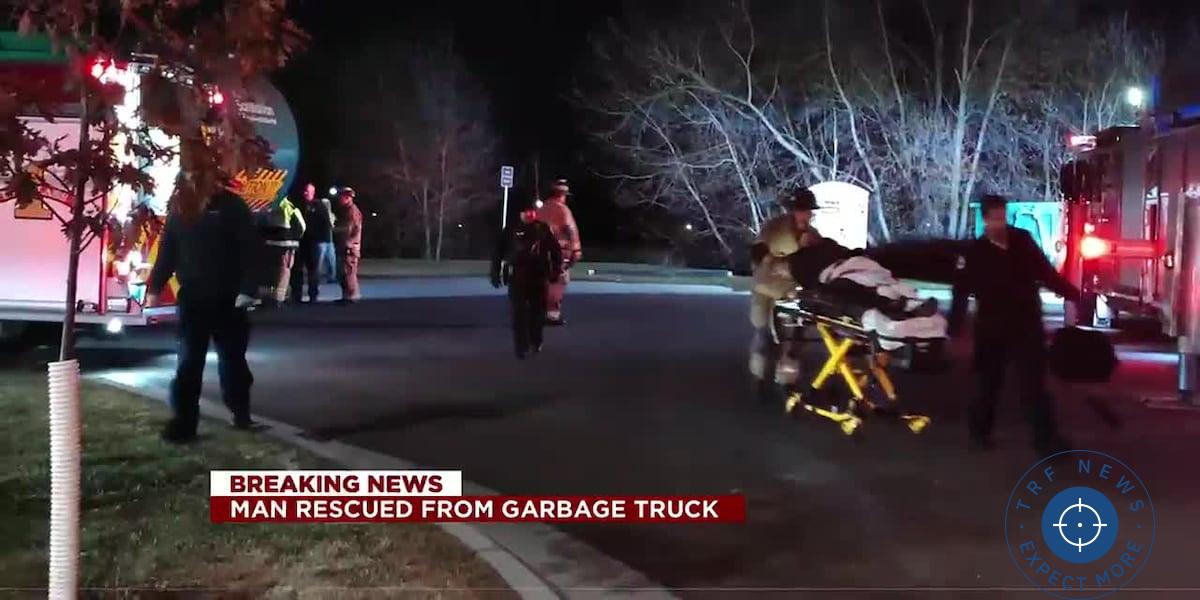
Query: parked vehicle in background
[[115, 262]]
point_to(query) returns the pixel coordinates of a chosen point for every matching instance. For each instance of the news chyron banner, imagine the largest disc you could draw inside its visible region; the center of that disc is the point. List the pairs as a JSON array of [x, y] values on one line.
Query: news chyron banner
[[434, 496]]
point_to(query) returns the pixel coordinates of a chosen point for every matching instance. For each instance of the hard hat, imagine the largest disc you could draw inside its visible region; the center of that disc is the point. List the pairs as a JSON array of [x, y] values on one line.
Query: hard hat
[[346, 191], [561, 186]]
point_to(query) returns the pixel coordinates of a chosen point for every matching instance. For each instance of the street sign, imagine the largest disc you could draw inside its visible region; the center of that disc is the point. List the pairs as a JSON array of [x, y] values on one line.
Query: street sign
[[506, 177]]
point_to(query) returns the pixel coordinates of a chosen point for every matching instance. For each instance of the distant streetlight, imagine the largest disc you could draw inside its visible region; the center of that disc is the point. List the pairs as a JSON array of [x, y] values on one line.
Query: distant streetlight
[[374, 214], [1135, 96], [460, 225], [539, 204], [333, 191], [688, 227]]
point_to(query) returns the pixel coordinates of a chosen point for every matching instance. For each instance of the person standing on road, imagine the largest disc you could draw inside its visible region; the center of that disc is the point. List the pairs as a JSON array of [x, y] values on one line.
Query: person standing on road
[[329, 264], [314, 246], [211, 253], [779, 238], [283, 228], [557, 215], [1005, 271], [528, 260], [347, 234]]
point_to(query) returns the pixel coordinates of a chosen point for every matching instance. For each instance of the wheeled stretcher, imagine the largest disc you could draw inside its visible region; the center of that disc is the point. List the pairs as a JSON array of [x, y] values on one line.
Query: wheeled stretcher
[[859, 350]]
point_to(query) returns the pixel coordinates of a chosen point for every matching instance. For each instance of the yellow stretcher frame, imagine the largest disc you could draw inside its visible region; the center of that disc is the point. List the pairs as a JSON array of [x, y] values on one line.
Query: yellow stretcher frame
[[840, 338]]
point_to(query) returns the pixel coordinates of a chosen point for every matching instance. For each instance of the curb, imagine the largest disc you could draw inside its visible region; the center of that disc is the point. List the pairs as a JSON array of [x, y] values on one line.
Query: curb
[[537, 561]]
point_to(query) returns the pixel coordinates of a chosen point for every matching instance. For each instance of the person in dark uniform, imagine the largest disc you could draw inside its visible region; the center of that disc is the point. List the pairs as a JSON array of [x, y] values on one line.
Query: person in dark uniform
[[1005, 271], [314, 246], [212, 256], [528, 259]]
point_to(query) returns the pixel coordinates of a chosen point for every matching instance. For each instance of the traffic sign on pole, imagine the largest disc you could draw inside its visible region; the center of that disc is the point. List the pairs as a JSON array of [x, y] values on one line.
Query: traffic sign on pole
[[506, 181]]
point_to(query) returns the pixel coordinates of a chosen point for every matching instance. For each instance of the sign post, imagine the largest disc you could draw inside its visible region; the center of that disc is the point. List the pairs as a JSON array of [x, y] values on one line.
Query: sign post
[[506, 181]]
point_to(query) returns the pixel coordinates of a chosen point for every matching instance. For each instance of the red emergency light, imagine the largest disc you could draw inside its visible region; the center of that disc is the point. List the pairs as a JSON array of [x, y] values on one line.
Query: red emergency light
[[1092, 247], [215, 97]]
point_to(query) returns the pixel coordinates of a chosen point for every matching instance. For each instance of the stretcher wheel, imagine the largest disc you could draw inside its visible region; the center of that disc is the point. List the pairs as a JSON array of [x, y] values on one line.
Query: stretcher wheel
[[793, 404], [916, 423], [851, 426]]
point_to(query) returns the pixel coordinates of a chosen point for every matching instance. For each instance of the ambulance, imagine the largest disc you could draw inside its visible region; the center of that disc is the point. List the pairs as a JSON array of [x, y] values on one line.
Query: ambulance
[[115, 262]]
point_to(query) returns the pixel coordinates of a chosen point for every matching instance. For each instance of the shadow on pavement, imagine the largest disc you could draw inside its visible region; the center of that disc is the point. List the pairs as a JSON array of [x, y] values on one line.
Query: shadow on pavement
[[421, 414]]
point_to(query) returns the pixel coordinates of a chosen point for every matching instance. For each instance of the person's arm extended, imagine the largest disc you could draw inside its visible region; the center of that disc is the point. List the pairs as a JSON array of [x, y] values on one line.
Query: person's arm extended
[[1048, 275], [576, 244], [498, 257], [248, 246], [758, 251], [556, 255], [299, 215], [167, 259], [964, 286]]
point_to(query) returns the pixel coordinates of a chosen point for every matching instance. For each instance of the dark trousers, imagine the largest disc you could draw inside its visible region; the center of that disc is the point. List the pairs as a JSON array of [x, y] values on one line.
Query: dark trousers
[[229, 329], [1027, 353], [307, 268], [527, 297]]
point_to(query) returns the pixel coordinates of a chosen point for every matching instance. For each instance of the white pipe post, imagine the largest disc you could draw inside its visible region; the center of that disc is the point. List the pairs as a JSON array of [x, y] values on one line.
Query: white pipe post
[[504, 211], [65, 450]]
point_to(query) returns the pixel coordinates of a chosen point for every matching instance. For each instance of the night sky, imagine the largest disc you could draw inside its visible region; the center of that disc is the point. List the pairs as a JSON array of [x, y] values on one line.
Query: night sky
[[525, 52], [529, 54]]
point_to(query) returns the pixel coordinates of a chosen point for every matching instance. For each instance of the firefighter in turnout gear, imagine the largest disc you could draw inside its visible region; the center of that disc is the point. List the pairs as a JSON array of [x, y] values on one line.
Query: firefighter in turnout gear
[[528, 260], [778, 239], [557, 215], [1005, 271], [282, 227], [347, 234]]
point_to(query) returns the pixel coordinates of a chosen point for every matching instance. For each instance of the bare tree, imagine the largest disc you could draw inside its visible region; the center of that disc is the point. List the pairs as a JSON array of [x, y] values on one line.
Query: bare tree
[[710, 120], [428, 147]]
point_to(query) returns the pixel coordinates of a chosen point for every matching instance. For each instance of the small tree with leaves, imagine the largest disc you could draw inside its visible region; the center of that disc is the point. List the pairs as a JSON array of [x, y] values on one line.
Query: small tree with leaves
[[184, 49]]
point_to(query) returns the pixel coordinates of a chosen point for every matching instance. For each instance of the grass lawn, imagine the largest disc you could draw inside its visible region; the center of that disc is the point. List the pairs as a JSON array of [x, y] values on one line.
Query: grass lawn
[[145, 515]]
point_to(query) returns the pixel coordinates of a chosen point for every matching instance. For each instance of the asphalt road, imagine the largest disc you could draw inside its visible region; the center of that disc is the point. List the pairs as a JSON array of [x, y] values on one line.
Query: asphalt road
[[646, 392]]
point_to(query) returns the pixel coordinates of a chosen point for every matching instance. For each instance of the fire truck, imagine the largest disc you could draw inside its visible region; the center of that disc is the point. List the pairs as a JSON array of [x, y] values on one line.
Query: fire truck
[[115, 263], [1132, 221]]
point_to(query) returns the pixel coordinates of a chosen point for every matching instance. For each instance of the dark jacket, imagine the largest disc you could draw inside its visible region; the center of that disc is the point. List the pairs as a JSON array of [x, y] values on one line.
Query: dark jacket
[[527, 252], [807, 263], [211, 254], [319, 222], [1006, 284]]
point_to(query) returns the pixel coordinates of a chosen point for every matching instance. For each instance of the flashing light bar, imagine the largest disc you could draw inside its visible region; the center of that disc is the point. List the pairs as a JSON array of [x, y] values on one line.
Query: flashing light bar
[[1092, 247]]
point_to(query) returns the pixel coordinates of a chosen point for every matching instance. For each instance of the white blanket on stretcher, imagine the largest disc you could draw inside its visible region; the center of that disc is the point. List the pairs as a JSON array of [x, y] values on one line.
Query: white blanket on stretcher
[[892, 333], [864, 271]]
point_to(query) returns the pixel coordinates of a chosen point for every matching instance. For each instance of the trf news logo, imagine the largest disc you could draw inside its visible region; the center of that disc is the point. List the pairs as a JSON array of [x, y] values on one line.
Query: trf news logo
[[1080, 525]]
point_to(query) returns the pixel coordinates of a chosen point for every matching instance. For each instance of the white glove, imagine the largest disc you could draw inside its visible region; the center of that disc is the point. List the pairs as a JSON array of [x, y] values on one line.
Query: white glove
[[244, 301]]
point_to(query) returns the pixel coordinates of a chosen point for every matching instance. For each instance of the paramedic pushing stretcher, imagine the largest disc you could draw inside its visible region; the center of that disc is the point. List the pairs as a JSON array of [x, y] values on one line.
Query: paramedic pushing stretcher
[[1005, 271]]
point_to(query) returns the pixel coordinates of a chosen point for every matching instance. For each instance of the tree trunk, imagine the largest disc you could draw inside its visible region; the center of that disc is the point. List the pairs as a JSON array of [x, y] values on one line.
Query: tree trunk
[[425, 219], [960, 125], [75, 233], [441, 224]]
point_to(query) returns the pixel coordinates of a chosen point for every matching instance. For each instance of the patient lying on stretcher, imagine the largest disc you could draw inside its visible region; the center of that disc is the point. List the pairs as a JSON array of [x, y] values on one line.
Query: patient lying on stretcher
[[856, 283]]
